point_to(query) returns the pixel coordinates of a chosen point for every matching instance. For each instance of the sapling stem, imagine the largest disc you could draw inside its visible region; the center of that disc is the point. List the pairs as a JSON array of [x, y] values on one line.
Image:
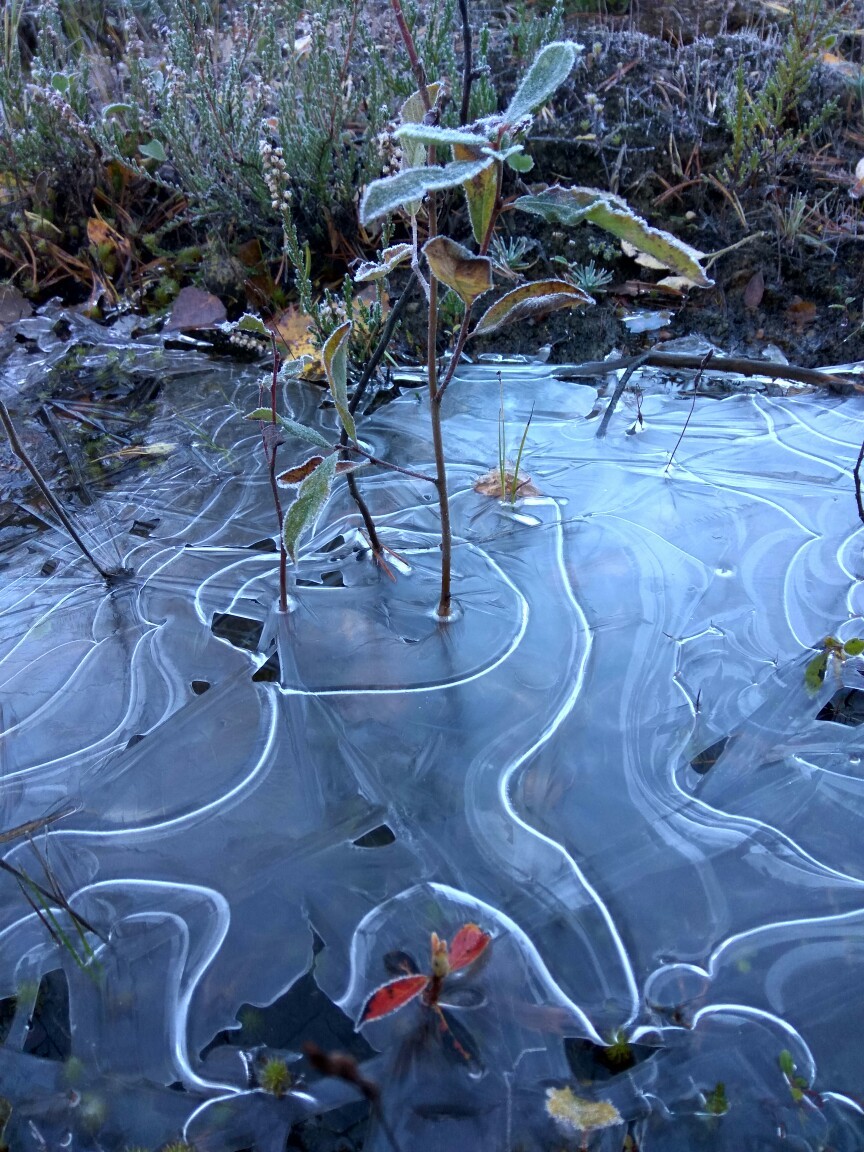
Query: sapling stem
[[61, 513], [856, 472], [270, 452]]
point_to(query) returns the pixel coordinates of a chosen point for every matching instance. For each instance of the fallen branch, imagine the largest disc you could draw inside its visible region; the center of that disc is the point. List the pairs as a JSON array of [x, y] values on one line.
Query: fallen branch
[[733, 365]]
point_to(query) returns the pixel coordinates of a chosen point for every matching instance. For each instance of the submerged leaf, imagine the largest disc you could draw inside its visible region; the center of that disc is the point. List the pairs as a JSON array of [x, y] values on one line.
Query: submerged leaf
[[550, 69], [310, 500], [335, 356], [571, 206], [490, 484], [469, 943], [390, 997], [574, 1111], [385, 196], [468, 275], [535, 299]]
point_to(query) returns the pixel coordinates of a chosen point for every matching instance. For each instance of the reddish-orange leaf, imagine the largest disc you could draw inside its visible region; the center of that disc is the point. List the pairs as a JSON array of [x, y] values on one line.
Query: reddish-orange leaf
[[469, 943], [391, 996], [300, 472]]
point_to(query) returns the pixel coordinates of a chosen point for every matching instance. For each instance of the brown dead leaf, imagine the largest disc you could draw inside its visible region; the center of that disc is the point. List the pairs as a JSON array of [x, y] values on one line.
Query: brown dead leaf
[[754, 291], [299, 473], [489, 484], [195, 308], [801, 312], [13, 306]]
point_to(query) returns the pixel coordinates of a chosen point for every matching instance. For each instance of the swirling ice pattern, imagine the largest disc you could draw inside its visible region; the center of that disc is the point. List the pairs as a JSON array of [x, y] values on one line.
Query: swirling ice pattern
[[532, 760]]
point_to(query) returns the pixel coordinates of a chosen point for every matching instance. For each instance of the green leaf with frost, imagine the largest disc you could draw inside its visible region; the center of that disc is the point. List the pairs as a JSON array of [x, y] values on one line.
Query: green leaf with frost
[[443, 137], [520, 163], [60, 83], [153, 150], [335, 357], [115, 110], [250, 323], [413, 111], [550, 69], [391, 258], [538, 298], [294, 369], [292, 427], [311, 497], [384, 196], [570, 206]]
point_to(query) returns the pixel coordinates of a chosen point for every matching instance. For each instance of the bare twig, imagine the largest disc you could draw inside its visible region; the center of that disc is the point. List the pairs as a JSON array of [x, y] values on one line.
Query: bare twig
[[636, 362], [467, 64], [705, 360], [856, 472], [734, 365], [61, 513], [346, 1068]]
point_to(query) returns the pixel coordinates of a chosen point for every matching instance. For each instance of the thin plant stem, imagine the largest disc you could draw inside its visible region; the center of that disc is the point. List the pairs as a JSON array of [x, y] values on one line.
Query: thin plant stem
[[270, 452], [705, 360], [467, 63], [354, 403], [61, 513], [416, 64], [387, 464], [856, 472], [516, 484], [363, 509], [637, 362]]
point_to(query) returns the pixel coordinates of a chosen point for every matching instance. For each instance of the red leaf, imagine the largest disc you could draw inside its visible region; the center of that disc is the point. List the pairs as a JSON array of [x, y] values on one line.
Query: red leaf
[[391, 996], [469, 943]]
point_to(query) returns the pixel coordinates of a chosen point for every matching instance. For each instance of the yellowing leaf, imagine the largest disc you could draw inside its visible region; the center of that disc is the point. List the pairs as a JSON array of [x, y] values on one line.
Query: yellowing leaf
[[535, 299], [469, 276], [571, 206], [335, 355], [481, 191], [573, 1111], [154, 451]]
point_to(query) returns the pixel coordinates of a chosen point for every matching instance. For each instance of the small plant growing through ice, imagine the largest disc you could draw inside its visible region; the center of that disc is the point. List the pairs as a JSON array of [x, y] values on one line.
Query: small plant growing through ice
[[469, 944], [480, 151], [716, 1101], [832, 652], [798, 1086], [275, 1077]]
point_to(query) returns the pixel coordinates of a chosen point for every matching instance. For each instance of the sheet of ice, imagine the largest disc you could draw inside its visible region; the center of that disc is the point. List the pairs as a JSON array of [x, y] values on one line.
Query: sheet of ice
[[531, 760]]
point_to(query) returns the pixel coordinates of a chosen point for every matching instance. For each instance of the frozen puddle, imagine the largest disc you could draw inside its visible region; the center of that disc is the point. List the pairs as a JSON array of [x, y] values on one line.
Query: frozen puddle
[[610, 761]]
